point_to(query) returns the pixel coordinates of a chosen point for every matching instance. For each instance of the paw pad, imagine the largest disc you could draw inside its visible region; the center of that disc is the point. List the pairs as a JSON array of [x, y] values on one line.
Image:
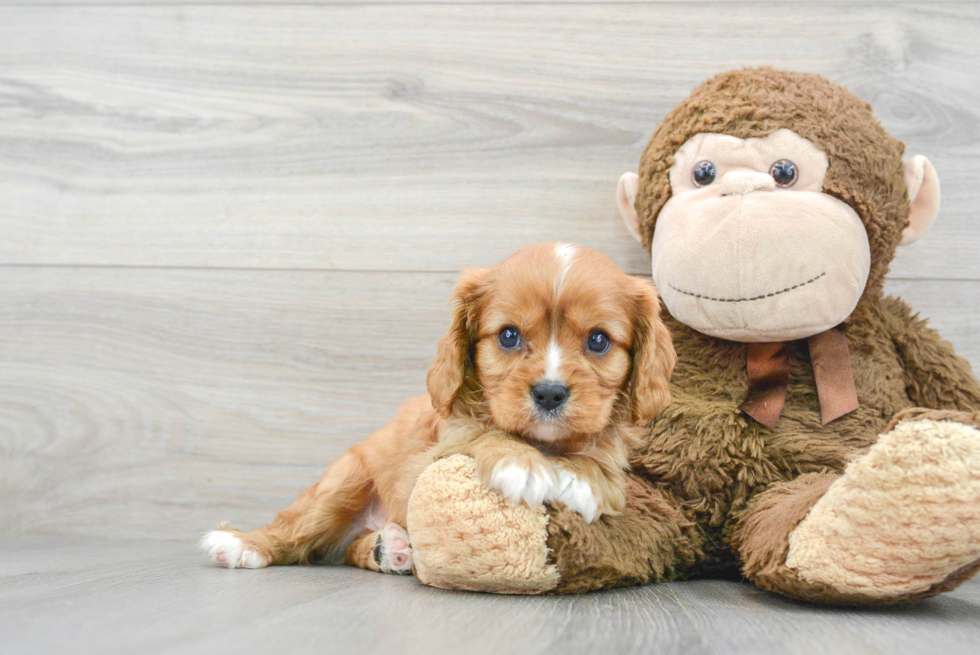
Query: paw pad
[[393, 552]]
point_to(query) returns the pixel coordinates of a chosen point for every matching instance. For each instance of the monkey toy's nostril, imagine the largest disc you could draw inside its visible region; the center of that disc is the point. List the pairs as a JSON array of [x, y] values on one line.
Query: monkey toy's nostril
[[549, 395]]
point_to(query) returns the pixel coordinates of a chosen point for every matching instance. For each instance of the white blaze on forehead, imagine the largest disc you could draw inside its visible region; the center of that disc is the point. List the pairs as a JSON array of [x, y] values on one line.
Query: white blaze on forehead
[[552, 369], [565, 254]]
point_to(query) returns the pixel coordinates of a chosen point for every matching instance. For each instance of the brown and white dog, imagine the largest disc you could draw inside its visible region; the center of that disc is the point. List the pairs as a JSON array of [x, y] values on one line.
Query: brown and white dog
[[553, 360]]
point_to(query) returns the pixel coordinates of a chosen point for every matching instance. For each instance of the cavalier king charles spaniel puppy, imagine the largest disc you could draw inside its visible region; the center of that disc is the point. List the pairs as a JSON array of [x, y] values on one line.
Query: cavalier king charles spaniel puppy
[[554, 362]]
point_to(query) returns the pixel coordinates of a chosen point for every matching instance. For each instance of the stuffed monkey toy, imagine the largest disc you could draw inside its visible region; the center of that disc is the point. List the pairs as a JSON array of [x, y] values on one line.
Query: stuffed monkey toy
[[822, 441]]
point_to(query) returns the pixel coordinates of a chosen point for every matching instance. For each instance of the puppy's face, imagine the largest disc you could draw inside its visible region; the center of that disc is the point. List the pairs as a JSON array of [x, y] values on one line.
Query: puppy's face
[[557, 339]]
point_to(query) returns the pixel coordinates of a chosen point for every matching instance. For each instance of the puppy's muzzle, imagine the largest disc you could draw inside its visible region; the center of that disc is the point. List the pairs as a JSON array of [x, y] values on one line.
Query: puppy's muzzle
[[549, 396]]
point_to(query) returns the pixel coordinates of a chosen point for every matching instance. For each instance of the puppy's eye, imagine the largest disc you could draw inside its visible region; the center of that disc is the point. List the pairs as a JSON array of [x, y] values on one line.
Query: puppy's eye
[[509, 338], [598, 342], [704, 173], [784, 172]]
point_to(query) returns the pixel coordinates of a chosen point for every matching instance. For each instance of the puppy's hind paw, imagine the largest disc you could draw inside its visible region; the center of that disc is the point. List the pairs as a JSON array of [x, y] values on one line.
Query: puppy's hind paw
[[394, 551], [225, 549]]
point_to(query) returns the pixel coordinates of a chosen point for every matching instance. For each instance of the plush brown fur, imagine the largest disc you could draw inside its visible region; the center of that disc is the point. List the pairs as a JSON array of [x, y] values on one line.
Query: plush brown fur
[[712, 490], [742, 485]]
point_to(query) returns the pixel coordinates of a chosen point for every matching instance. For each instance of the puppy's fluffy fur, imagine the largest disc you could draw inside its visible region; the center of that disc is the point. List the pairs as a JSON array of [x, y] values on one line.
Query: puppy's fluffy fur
[[481, 402]]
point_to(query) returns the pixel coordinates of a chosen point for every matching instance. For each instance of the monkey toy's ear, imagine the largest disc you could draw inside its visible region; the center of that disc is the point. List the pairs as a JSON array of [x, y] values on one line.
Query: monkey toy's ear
[[923, 189], [625, 198]]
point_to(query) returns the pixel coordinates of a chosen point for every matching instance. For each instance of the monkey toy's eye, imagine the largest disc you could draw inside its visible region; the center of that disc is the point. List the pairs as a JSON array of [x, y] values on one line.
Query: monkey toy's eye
[[784, 172], [509, 338], [704, 173], [598, 342]]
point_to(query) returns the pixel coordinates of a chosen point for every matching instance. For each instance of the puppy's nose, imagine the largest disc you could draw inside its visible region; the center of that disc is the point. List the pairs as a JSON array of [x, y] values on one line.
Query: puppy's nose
[[549, 395]]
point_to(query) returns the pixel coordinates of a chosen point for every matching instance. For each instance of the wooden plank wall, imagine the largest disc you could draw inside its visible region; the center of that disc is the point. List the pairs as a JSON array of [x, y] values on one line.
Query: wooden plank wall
[[228, 232]]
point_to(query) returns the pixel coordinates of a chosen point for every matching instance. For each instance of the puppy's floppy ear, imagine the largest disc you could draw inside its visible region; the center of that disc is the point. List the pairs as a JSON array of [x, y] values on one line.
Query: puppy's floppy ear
[[445, 378], [653, 356]]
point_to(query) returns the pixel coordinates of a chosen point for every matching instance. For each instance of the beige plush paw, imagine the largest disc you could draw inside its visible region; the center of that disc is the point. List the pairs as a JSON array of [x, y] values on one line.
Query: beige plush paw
[[465, 536], [902, 519]]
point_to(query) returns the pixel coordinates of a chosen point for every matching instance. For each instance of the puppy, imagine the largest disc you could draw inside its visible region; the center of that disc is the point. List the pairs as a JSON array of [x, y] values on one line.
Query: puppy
[[554, 360]]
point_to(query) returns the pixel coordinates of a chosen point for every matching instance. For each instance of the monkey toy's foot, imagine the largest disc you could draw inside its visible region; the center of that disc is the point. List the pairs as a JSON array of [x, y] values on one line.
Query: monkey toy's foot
[[903, 522]]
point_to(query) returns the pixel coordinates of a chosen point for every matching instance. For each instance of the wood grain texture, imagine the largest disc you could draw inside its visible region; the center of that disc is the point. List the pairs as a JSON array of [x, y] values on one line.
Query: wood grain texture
[[147, 399], [422, 137], [85, 596], [124, 3], [135, 400]]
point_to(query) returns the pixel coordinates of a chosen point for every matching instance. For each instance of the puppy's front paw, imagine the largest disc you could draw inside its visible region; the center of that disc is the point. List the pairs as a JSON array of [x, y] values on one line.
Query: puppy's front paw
[[393, 552], [577, 494], [227, 550], [523, 481]]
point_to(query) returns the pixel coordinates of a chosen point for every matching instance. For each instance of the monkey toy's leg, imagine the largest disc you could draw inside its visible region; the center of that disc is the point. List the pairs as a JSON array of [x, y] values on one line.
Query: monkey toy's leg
[[901, 523], [650, 541]]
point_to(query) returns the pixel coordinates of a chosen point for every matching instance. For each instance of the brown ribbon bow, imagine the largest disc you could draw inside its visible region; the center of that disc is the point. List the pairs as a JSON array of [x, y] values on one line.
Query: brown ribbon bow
[[768, 367]]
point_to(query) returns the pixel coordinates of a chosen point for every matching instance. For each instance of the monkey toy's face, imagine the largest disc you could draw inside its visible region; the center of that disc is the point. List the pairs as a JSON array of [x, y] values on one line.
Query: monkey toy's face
[[746, 243], [749, 247]]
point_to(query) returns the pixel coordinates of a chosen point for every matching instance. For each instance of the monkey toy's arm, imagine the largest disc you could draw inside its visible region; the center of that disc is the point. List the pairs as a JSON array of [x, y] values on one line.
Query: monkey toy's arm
[[935, 376]]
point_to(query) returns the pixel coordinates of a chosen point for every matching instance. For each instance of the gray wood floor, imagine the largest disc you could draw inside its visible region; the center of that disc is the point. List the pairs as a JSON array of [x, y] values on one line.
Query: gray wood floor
[[228, 231], [82, 596]]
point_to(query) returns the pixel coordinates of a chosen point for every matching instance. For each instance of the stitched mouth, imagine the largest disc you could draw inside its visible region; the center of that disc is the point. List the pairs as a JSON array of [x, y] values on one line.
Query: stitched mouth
[[765, 295]]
